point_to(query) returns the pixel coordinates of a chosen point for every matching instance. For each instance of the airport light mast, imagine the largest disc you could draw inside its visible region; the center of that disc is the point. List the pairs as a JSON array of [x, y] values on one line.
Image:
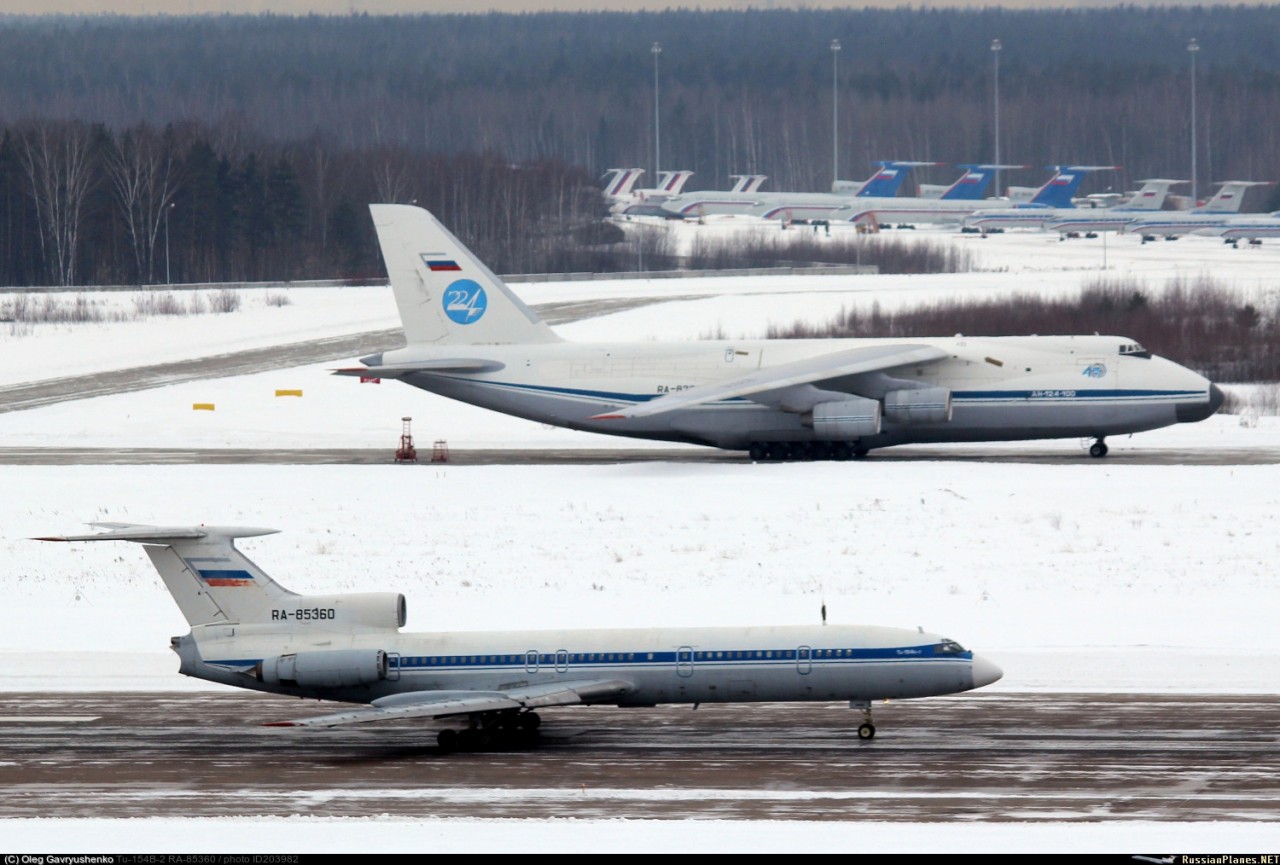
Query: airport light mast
[[1193, 48], [995, 57], [835, 129], [657, 140]]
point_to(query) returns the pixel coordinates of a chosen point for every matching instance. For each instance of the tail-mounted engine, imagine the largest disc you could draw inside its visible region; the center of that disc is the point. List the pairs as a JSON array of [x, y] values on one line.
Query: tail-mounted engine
[[343, 668]]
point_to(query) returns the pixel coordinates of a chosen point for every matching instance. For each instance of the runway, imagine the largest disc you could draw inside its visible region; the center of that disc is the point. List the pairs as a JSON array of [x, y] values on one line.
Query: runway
[[979, 757], [1054, 454]]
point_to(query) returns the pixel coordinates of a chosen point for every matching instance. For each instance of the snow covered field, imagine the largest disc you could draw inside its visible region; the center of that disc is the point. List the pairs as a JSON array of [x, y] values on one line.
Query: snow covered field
[[1095, 576]]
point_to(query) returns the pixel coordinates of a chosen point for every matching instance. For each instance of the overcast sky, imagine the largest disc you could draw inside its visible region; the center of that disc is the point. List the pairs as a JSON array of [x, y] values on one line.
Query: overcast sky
[[342, 7]]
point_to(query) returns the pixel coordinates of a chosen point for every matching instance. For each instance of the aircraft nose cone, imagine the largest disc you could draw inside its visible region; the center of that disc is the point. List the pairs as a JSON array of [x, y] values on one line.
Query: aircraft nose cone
[[985, 672], [1193, 413]]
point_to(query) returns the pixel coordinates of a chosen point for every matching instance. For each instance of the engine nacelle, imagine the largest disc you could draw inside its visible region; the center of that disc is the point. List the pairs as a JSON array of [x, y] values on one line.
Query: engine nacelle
[[342, 668], [847, 419], [926, 405], [365, 610]]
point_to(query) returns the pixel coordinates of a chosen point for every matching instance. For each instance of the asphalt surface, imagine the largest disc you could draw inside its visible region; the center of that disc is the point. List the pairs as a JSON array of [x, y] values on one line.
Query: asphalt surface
[[977, 757]]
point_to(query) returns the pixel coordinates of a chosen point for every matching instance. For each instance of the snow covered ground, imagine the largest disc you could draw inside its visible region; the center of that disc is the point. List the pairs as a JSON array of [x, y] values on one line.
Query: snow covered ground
[[1096, 576]]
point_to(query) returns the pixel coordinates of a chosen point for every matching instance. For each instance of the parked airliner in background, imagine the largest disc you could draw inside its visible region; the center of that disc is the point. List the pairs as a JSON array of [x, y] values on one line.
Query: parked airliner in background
[[1217, 211], [1058, 193], [624, 198], [886, 181], [470, 338], [956, 200], [1090, 220], [249, 632], [1252, 227]]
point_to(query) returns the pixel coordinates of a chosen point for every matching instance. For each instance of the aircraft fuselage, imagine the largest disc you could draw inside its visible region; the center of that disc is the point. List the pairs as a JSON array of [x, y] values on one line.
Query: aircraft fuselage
[[693, 665], [1001, 388]]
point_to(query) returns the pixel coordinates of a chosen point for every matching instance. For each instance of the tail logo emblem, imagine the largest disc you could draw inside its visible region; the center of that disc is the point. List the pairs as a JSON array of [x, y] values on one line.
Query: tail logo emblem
[[465, 301]]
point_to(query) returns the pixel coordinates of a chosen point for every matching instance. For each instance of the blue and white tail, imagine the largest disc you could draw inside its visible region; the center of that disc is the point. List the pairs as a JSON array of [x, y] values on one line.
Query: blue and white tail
[[973, 184], [1061, 188], [888, 179], [446, 296]]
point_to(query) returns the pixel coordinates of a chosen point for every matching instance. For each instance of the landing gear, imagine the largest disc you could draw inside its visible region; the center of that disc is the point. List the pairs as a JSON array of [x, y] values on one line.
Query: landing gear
[[759, 452], [866, 730], [490, 732], [1098, 449]]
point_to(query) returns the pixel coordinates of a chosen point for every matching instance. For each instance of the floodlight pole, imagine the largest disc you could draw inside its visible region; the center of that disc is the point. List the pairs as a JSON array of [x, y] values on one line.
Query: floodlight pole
[[835, 129], [1193, 48], [657, 140], [995, 58]]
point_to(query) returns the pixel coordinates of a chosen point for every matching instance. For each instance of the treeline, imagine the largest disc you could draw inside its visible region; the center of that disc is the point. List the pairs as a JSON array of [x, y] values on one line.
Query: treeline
[[1200, 323], [82, 204], [746, 91]]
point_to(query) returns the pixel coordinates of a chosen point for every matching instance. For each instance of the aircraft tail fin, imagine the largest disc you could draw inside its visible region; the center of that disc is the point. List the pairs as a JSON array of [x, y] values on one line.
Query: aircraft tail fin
[[444, 293], [672, 182], [210, 579], [1062, 186], [1229, 197], [620, 181], [1152, 194], [747, 182], [973, 184], [888, 179]]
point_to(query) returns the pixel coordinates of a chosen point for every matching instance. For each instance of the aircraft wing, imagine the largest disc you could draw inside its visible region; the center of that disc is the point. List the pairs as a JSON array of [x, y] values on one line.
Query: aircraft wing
[[814, 369], [443, 704]]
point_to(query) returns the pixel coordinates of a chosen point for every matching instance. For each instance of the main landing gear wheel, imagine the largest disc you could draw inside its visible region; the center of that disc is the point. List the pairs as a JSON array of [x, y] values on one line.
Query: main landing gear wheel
[[1098, 449], [775, 452], [866, 731], [492, 732]]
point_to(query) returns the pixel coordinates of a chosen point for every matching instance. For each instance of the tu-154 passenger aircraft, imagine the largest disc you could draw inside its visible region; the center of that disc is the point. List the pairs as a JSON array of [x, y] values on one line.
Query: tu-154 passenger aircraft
[[471, 339], [248, 631]]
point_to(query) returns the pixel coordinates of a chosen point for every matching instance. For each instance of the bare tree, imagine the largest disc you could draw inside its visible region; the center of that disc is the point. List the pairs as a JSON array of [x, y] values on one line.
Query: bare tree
[[142, 173], [55, 157]]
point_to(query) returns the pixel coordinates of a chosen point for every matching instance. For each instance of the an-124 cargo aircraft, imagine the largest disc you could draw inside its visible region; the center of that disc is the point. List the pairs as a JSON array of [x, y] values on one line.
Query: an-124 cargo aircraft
[[249, 632], [471, 339]]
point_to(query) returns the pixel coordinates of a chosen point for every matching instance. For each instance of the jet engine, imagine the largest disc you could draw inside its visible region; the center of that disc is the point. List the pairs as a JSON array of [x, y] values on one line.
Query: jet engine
[[926, 405], [846, 419], [342, 668]]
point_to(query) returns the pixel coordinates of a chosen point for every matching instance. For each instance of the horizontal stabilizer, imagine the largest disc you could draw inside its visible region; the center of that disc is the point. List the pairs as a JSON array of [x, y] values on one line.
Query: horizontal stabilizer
[[444, 704], [807, 371], [161, 535]]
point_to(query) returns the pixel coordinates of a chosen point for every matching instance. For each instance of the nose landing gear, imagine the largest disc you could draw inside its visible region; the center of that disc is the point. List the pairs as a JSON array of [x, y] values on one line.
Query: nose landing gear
[[866, 730], [1098, 449]]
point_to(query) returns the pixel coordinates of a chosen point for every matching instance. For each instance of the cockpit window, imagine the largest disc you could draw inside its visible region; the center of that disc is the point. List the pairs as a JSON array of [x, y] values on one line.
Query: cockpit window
[[948, 647], [1133, 349]]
